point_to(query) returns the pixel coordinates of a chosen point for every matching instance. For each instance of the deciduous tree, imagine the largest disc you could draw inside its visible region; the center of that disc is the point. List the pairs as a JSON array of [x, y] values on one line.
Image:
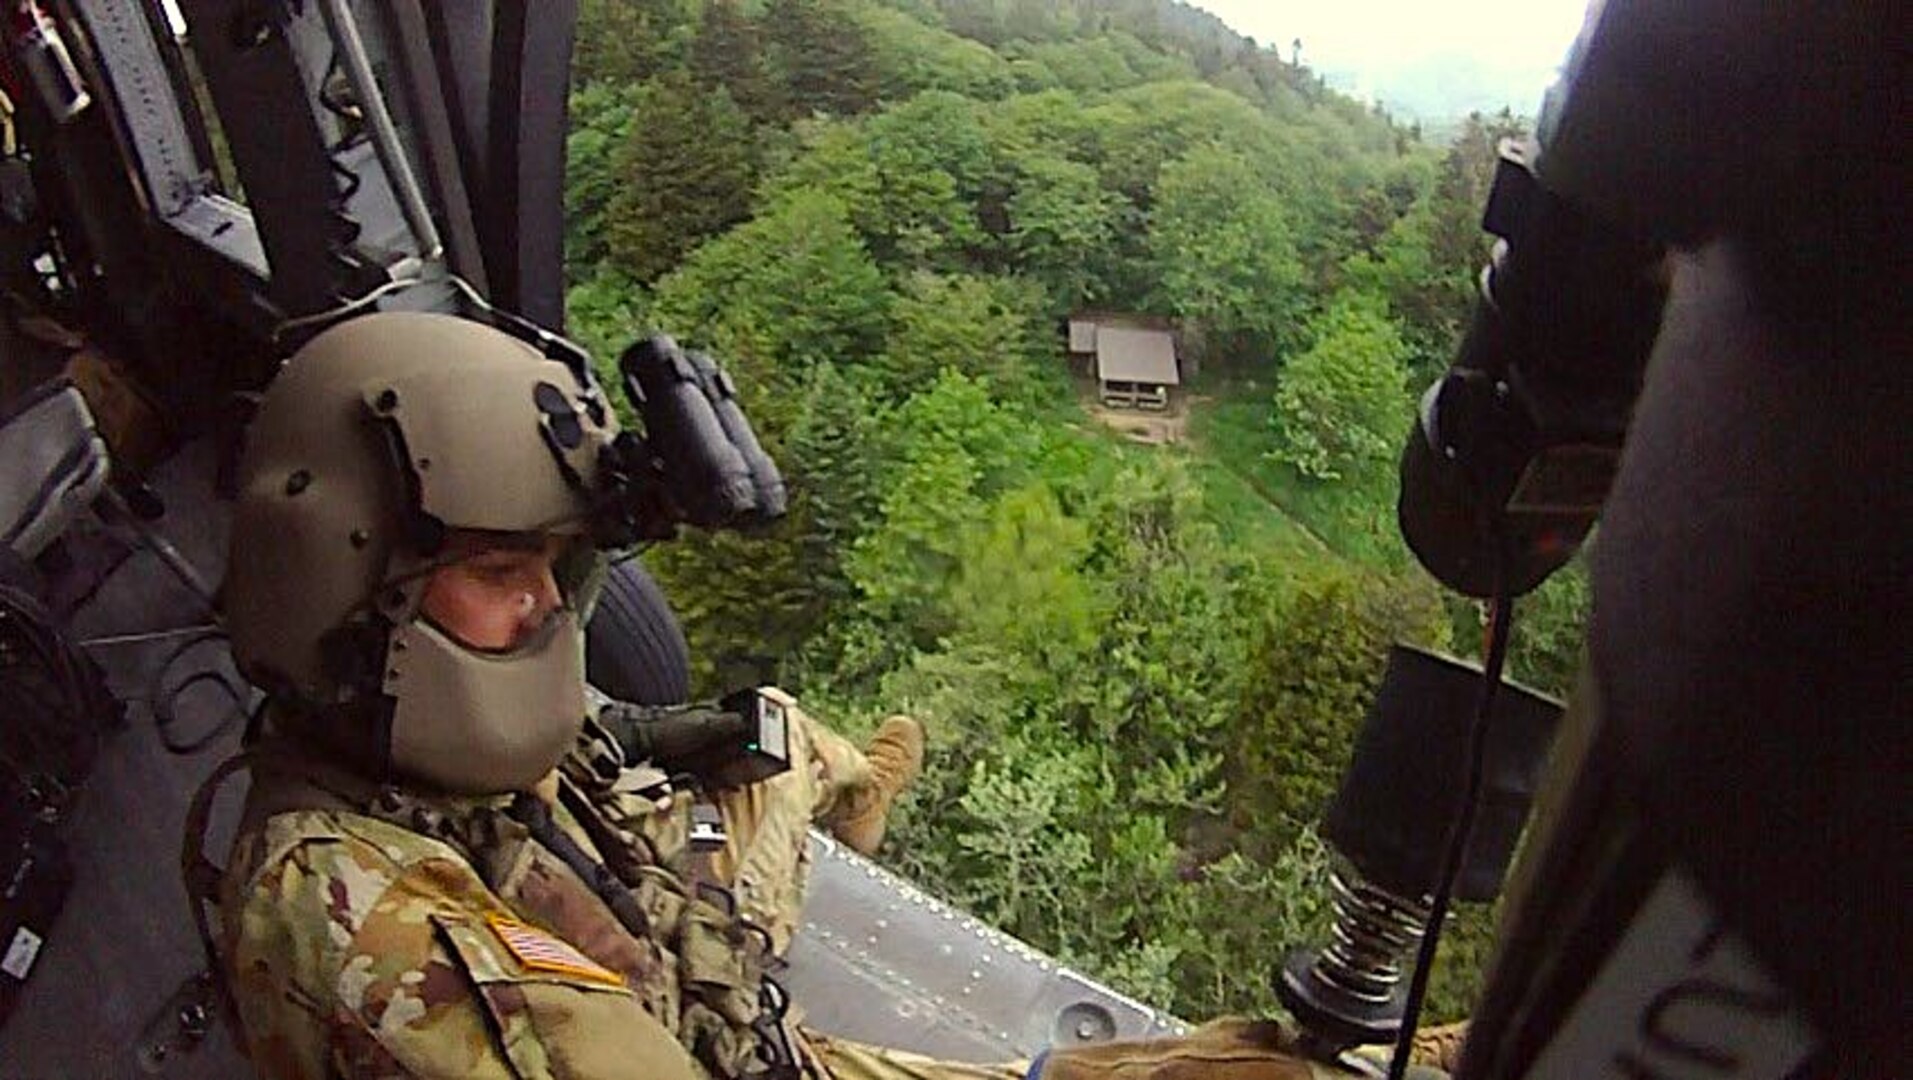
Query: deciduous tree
[[601, 117], [1226, 251], [1341, 406], [787, 290], [990, 328]]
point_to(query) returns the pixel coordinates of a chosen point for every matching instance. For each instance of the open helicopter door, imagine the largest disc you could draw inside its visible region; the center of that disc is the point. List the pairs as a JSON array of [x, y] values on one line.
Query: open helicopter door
[[376, 139], [243, 168]]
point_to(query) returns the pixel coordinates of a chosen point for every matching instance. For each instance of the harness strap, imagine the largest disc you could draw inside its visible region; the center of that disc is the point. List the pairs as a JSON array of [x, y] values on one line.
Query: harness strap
[[531, 812], [286, 778], [775, 1050], [202, 877]]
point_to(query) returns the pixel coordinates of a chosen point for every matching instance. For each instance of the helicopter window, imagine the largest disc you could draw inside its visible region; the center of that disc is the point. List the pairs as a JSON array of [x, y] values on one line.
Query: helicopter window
[[225, 175], [142, 53]]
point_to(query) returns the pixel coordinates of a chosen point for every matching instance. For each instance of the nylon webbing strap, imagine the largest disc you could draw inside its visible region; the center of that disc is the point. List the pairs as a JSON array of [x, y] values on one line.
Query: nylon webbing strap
[[531, 812], [202, 878], [201, 875]]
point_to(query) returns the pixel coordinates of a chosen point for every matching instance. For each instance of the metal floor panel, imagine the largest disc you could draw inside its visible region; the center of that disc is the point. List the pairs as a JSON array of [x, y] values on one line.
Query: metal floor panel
[[881, 961]]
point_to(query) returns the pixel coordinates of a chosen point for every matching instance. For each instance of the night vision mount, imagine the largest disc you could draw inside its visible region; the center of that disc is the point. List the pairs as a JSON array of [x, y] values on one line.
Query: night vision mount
[[697, 461]]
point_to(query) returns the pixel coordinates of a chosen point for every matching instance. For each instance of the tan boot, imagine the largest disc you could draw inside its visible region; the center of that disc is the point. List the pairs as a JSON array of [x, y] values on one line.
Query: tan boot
[[1439, 1046], [896, 757]]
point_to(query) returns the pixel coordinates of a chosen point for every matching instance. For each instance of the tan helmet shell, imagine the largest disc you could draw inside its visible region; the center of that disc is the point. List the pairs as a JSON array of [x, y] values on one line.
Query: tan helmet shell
[[374, 419]]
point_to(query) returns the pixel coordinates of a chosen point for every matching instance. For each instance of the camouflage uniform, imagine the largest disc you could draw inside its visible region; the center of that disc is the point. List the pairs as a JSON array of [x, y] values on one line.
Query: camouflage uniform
[[392, 934], [415, 936]]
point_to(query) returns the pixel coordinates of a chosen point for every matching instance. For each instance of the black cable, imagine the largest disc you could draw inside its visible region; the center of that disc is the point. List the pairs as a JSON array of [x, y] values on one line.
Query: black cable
[[347, 121], [635, 551], [164, 696], [1500, 621]]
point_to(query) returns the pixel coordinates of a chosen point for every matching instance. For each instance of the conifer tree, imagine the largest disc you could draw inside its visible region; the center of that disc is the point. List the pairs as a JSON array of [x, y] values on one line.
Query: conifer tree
[[624, 40], [728, 54], [684, 174], [822, 57]]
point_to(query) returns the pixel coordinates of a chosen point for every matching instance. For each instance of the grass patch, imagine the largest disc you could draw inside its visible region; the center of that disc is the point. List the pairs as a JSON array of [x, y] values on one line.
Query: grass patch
[[1248, 521], [1245, 518], [1355, 520]]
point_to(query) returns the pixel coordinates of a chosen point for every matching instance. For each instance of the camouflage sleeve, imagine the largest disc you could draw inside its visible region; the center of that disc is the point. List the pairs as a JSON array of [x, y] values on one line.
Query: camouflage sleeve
[[353, 964]]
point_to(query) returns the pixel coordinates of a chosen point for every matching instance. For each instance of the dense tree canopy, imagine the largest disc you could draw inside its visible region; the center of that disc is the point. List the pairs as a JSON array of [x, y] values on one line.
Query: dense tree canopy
[[1141, 667], [1340, 406], [1224, 251], [685, 170]]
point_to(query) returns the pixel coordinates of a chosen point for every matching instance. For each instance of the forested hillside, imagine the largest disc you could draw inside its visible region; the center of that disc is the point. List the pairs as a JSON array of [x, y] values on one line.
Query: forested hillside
[[1141, 666]]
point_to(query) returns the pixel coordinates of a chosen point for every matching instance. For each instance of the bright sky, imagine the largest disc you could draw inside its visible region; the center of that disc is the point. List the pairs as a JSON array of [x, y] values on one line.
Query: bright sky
[[1521, 41]]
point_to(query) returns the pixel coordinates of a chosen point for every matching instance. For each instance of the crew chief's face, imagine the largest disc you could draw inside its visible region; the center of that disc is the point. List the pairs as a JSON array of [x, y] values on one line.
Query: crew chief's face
[[492, 596]]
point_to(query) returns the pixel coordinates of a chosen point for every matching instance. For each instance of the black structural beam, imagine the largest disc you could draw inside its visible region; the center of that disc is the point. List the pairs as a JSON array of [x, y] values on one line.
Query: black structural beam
[[244, 49], [521, 207]]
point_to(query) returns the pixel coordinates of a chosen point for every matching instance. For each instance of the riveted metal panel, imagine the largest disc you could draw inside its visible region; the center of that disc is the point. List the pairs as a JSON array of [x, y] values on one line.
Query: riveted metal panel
[[883, 961]]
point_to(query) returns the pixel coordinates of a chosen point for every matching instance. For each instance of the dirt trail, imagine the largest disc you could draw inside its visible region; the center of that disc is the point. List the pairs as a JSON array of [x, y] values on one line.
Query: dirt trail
[[1172, 427], [1149, 427]]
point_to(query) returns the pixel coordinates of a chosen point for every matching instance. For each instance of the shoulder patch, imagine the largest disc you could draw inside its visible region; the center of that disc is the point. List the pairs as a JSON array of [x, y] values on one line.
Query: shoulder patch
[[536, 950]]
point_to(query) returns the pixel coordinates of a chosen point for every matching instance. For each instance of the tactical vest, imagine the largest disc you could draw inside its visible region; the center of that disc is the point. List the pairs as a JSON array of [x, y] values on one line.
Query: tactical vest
[[694, 963]]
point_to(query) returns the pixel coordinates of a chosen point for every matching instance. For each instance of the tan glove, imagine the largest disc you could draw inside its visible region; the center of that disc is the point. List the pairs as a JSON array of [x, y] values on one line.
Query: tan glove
[[1440, 1047]]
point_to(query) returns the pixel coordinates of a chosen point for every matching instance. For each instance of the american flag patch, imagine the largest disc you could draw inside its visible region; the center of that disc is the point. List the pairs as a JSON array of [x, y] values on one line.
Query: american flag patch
[[537, 950]]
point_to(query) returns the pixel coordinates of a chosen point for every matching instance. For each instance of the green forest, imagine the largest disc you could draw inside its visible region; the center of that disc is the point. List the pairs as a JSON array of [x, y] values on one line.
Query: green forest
[[1141, 666]]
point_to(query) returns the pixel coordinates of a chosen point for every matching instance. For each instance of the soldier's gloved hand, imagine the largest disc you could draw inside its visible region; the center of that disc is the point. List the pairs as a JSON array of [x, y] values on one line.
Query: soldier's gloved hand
[[1230, 1049], [666, 734]]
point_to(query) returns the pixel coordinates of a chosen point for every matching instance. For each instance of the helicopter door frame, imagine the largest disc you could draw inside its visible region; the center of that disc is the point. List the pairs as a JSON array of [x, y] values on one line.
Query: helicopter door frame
[[138, 77]]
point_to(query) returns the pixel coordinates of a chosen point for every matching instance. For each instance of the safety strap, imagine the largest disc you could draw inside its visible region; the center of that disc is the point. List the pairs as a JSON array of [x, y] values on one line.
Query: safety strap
[[775, 1049], [202, 877], [532, 812], [320, 785]]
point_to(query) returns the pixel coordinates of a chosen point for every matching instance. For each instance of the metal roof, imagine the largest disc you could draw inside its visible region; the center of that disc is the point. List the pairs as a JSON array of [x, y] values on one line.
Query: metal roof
[[1129, 355]]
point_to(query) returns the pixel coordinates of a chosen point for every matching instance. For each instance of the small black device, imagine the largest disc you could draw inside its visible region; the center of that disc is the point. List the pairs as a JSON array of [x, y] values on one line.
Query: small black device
[[35, 875], [742, 739]]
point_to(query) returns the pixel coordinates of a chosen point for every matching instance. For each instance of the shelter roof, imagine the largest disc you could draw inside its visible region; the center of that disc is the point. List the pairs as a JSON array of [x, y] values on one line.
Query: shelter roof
[[1125, 354]]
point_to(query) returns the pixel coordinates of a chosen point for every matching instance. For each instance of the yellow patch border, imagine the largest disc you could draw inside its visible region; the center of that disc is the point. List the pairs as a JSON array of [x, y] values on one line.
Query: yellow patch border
[[593, 973]]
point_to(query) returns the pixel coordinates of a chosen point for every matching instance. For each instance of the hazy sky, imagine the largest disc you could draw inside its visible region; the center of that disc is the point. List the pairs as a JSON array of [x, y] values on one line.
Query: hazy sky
[[1518, 42]]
